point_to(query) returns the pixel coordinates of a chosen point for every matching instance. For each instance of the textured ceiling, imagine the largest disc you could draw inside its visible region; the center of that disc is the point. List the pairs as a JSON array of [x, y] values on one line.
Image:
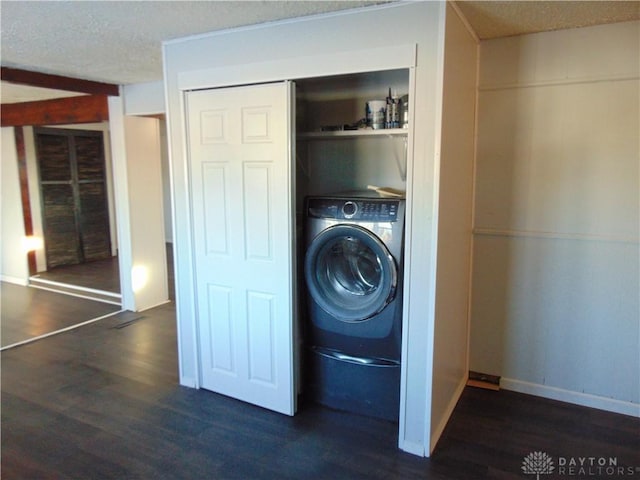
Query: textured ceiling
[[492, 19], [120, 41]]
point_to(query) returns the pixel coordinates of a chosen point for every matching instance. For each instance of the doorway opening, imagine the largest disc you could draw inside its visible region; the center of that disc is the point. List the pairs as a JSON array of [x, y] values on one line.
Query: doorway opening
[[75, 205]]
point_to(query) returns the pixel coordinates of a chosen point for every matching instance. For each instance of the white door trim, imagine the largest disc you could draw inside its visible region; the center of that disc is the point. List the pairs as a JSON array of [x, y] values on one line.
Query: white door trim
[[341, 63]]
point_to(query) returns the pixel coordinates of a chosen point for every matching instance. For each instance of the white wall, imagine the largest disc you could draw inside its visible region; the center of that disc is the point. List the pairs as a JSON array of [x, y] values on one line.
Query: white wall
[[453, 287], [166, 182], [144, 179], [320, 46], [135, 146], [556, 269], [148, 99], [15, 268], [144, 99]]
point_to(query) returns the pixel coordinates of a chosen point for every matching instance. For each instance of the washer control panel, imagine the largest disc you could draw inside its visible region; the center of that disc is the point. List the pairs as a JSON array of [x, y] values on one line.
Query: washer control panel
[[362, 209]]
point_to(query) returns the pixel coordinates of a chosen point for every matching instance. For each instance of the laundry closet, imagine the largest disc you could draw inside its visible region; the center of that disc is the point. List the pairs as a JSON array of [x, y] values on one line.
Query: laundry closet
[[350, 188], [262, 117], [334, 151]]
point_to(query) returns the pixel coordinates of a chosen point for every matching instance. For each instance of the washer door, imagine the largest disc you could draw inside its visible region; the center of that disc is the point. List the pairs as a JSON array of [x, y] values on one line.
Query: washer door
[[350, 273]]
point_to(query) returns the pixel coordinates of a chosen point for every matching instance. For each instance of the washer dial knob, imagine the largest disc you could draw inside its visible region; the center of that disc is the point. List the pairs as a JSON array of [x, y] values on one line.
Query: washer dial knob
[[349, 209]]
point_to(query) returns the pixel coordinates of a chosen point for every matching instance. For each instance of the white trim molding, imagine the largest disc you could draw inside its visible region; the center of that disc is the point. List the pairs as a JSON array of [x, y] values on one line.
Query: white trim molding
[[15, 280], [491, 232], [569, 396], [321, 65]]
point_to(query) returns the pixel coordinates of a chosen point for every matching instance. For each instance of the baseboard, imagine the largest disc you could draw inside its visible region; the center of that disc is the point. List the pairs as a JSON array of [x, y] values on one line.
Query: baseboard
[[435, 435], [569, 396], [75, 290], [189, 382], [413, 448], [159, 304], [62, 330], [15, 280]]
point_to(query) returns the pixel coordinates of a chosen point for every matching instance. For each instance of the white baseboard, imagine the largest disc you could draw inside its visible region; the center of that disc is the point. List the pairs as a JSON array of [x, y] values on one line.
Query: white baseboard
[[413, 448], [164, 302], [98, 297], [62, 330], [435, 435], [569, 396], [188, 382], [15, 280]]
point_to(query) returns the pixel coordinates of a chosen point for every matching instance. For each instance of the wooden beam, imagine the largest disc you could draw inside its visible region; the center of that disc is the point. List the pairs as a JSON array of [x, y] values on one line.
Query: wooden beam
[[61, 111], [24, 194], [57, 82]]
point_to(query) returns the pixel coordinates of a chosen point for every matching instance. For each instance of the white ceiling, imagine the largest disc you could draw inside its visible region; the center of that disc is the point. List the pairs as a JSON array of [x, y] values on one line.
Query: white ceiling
[[120, 41], [492, 19]]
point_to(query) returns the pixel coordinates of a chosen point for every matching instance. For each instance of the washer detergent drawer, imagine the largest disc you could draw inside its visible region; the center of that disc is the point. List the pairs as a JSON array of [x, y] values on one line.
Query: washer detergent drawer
[[367, 386]]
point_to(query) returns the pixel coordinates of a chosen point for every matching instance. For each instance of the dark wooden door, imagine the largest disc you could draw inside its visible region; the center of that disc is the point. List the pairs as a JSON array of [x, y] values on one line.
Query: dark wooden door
[[73, 188]]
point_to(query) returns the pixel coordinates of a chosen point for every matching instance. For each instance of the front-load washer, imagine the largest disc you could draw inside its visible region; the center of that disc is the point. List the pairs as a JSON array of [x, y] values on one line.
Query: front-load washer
[[353, 272]]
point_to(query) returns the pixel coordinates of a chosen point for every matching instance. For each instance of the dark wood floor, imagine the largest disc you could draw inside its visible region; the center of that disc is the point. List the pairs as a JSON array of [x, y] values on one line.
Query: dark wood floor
[[27, 313], [102, 402], [101, 275]]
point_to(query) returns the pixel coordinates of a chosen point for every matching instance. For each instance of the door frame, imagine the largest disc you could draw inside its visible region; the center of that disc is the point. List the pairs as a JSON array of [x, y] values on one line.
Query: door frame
[[134, 230], [422, 168], [320, 65], [33, 183]]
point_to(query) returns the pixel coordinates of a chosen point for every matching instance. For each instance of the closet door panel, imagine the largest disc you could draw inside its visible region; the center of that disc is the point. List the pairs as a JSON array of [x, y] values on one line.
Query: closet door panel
[[94, 221], [53, 158], [60, 228], [93, 215]]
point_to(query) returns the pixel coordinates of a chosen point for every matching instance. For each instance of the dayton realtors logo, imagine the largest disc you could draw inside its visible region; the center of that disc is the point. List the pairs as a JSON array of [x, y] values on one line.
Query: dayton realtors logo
[[539, 463]]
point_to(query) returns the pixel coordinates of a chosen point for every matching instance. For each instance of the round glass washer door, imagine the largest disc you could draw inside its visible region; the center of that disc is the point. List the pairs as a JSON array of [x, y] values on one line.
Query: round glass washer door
[[350, 273]]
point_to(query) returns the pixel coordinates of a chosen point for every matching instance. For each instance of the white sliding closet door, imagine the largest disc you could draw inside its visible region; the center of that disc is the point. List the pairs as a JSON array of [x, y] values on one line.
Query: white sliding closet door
[[241, 182]]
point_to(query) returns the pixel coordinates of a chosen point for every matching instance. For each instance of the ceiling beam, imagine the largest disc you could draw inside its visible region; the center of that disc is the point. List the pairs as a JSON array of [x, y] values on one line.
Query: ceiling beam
[[57, 82], [61, 111]]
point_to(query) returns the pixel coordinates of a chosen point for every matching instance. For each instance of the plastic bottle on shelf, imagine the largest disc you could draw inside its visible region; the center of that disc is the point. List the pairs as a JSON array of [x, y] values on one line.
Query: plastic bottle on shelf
[[392, 116], [395, 110], [388, 119]]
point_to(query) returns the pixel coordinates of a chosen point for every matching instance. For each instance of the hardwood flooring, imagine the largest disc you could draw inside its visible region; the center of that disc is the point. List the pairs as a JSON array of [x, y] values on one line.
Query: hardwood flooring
[[102, 402], [101, 275], [29, 312], [98, 275]]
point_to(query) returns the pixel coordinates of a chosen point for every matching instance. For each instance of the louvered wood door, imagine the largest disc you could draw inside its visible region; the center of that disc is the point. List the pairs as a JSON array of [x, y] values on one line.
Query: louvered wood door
[[73, 188]]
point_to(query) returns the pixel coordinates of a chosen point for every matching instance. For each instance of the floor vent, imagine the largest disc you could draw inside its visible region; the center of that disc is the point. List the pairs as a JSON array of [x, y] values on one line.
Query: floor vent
[[483, 380], [126, 319]]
